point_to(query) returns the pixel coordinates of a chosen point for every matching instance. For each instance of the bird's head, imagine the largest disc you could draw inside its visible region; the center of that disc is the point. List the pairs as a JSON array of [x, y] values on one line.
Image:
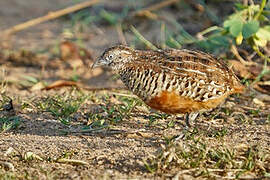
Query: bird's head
[[115, 57]]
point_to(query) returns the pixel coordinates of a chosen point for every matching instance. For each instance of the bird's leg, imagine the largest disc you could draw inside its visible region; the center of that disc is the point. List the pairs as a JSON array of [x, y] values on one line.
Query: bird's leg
[[190, 118], [187, 120]]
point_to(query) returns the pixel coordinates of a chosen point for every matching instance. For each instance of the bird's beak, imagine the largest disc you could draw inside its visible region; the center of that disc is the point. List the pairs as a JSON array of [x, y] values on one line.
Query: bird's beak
[[98, 63]]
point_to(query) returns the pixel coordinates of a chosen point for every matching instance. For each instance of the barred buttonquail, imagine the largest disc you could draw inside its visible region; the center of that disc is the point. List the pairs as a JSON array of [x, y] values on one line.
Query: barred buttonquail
[[173, 81]]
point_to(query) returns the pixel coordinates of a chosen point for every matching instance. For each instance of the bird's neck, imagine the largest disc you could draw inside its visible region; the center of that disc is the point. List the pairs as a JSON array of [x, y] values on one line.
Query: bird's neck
[[118, 68]]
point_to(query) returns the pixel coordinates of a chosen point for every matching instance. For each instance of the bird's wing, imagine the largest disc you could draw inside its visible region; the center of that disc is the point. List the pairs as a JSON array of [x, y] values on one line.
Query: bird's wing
[[201, 74]]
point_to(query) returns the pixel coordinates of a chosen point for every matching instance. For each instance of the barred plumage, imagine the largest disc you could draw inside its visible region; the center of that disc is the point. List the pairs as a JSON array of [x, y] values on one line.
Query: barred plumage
[[173, 81]]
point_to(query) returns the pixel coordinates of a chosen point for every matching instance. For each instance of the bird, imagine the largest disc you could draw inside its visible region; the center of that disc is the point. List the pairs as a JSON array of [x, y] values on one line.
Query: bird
[[173, 81]]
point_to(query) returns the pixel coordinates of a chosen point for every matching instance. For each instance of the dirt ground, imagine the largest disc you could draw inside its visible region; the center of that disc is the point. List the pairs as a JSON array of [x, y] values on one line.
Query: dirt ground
[[43, 146]]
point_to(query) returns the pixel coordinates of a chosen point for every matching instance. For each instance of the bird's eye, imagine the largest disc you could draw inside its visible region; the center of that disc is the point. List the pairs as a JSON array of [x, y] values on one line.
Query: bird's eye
[[110, 56]]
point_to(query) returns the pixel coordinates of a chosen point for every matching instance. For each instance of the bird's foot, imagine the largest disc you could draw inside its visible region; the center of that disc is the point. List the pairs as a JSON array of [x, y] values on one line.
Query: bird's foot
[[190, 118], [186, 133]]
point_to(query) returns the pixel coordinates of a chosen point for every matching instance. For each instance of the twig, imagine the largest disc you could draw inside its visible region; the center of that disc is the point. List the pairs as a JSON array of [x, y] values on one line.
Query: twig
[[149, 15], [154, 7], [49, 16], [63, 83], [237, 55]]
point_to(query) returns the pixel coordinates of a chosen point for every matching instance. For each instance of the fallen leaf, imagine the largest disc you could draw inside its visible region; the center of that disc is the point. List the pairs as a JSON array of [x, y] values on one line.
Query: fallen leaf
[[61, 83]]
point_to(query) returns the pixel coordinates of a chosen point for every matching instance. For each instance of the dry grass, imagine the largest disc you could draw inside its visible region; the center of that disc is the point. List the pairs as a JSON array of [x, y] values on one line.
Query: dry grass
[[70, 133], [214, 151]]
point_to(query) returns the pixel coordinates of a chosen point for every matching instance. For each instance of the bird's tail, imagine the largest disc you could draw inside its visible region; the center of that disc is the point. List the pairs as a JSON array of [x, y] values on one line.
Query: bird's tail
[[239, 89]]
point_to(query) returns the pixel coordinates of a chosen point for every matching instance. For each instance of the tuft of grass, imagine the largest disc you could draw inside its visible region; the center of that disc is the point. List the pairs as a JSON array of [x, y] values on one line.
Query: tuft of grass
[[62, 106], [113, 113], [219, 133], [117, 112], [254, 112], [8, 120], [157, 116], [5, 175], [195, 157], [9, 123]]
